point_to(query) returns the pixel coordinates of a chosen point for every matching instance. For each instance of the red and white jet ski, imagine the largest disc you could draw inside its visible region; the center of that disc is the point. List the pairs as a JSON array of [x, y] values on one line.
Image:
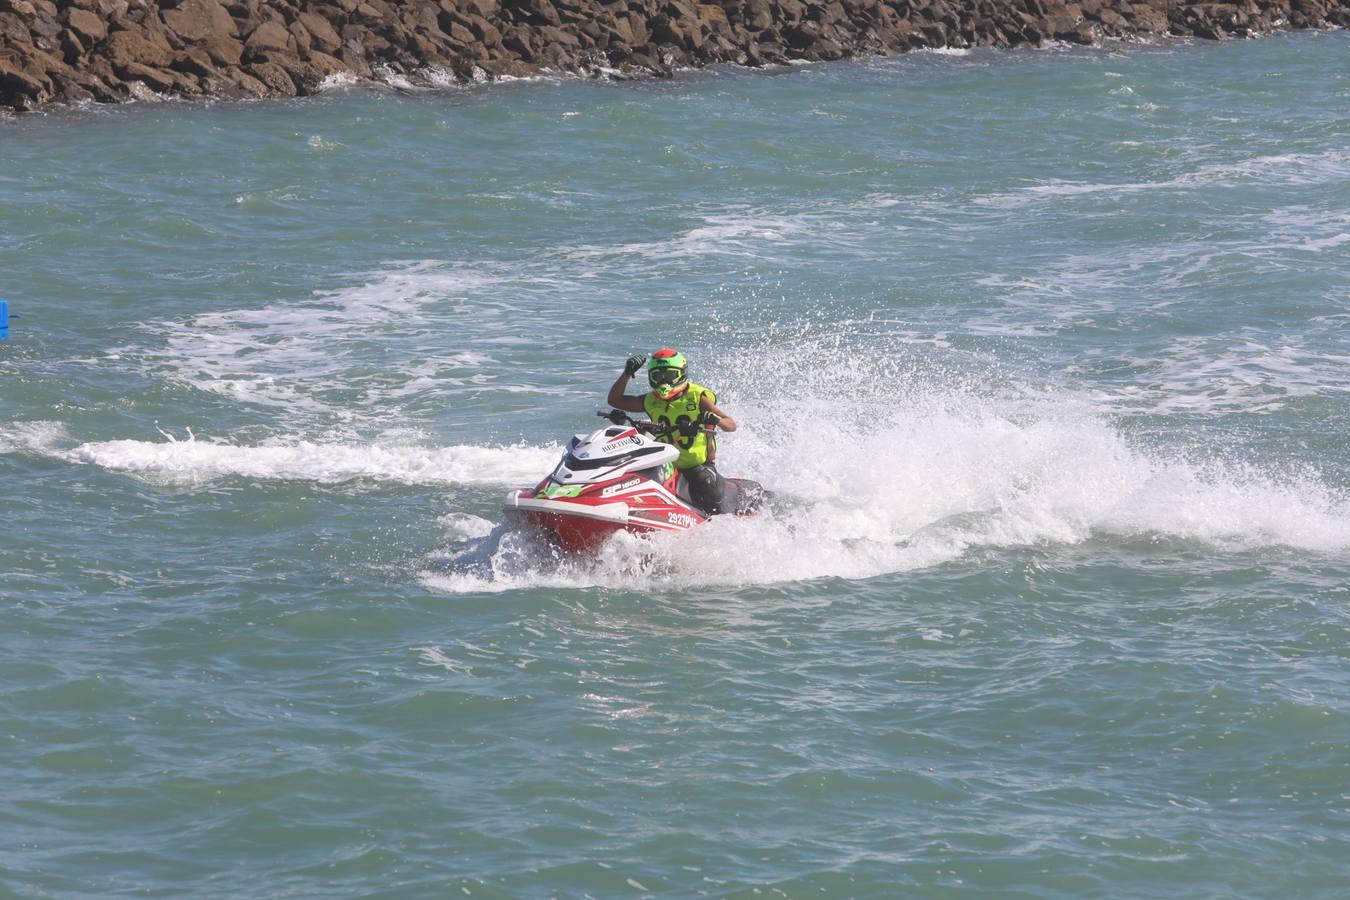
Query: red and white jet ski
[[618, 479]]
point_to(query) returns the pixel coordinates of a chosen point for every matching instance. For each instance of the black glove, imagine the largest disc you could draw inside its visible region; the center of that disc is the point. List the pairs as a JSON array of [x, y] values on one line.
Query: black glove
[[708, 417], [634, 363], [617, 417]]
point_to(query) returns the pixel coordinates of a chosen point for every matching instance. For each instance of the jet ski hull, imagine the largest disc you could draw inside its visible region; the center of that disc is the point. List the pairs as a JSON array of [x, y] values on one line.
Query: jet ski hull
[[617, 479], [582, 524]]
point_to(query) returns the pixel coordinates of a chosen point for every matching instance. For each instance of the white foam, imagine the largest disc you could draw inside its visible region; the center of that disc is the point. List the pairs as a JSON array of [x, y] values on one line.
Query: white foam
[[459, 526], [142, 92], [1317, 246], [1307, 229], [337, 81], [1246, 371], [436, 657], [293, 356], [747, 234], [1330, 167], [195, 461], [440, 77], [31, 437], [318, 143], [392, 77], [926, 474]]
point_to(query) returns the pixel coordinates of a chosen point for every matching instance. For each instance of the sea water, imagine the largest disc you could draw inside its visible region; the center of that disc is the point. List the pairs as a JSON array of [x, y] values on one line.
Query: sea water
[[1046, 355]]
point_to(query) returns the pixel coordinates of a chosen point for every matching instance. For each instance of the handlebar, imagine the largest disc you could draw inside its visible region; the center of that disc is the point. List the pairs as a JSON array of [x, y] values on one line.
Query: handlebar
[[658, 429], [619, 417]]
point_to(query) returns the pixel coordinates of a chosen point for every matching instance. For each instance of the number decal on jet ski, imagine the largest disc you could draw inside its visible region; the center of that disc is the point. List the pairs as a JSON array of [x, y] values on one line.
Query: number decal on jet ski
[[684, 520], [616, 488]]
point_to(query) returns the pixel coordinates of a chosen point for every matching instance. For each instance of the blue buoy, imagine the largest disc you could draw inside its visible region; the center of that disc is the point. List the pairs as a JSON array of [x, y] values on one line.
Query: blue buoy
[[4, 320]]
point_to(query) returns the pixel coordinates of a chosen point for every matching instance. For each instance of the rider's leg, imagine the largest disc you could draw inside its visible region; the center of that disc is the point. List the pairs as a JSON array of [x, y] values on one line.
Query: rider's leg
[[706, 487]]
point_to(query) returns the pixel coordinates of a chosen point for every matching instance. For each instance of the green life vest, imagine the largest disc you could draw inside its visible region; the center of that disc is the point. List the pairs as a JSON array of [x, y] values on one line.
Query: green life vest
[[695, 450]]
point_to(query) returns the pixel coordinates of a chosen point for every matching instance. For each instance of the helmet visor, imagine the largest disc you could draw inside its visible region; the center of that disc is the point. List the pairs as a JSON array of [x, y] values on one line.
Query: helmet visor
[[665, 376]]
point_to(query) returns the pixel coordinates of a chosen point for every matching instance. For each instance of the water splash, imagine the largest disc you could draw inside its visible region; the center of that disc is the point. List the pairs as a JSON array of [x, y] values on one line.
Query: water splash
[[193, 461], [885, 462]]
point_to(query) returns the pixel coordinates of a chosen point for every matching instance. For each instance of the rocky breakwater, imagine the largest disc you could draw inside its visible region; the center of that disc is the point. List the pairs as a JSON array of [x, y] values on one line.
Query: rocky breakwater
[[70, 51]]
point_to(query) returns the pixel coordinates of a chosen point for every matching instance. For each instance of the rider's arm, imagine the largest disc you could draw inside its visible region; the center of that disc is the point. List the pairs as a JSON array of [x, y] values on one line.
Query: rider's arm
[[619, 400], [724, 421]]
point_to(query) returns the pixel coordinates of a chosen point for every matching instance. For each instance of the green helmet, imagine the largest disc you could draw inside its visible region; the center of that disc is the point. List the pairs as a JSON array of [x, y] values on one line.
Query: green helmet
[[668, 373]]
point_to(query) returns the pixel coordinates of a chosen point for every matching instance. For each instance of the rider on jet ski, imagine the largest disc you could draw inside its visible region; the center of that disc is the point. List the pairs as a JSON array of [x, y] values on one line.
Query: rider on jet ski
[[691, 413]]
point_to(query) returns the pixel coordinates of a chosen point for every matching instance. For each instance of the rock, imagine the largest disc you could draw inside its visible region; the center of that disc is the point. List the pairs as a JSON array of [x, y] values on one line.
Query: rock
[[104, 89], [485, 31], [540, 12], [300, 34], [666, 31], [268, 36], [368, 14], [484, 8], [274, 76], [72, 48], [22, 84], [13, 30], [81, 49], [354, 58], [758, 15], [193, 62], [1084, 33], [139, 46], [223, 51], [460, 35], [89, 27], [709, 14], [1147, 20], [247, 84], [506, 68], [198, 20], [45, 26], [1113, 20], [622, 31], [1061, 26], [518, 42], [160, 80], [554, 35], [1206, 29], [309, 74], [72, 93], [321, 32], [802, 36]]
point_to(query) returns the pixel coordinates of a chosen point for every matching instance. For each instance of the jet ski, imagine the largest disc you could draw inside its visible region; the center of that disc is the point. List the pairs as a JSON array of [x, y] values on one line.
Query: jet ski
[[619, 478]]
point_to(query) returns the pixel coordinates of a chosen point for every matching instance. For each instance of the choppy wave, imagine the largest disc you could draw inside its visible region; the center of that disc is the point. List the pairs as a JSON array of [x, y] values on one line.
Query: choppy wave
[[744, 234], [196, 461], [1331, 166], [30, 437], [1250, 372], [313, 356]]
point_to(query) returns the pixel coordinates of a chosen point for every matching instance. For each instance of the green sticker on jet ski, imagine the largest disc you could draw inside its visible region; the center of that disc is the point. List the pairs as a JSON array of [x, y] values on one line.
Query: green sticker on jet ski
[[561, 490]]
